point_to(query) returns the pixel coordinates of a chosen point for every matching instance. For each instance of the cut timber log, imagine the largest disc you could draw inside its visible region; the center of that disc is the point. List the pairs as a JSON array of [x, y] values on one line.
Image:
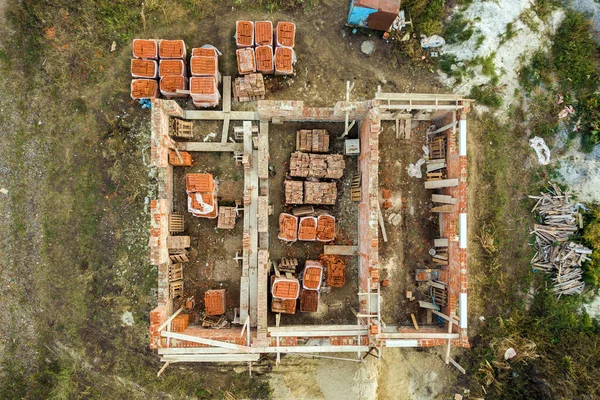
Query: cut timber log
[[441, 183]]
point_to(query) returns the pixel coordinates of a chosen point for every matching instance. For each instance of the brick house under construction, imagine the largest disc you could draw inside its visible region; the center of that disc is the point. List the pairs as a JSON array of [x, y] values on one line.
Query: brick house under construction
[[253, 337]]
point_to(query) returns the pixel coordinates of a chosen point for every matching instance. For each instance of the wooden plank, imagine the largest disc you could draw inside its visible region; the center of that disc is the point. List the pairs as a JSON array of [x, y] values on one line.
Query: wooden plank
[[321, 333], [210, 146], [436, 285], [209, 342], [426, 304], [419, 96], [313, 328], [414, 321], [341, 250], [420, 107], [381, 223], [442, 198], [441, 242], [225, 132], [194, 350], [219, 115], [210, 357], [263, 150], [442, 183], [461, 369], [446, 208], [312, 349], [417, 335], [163, 326], [226, 94]]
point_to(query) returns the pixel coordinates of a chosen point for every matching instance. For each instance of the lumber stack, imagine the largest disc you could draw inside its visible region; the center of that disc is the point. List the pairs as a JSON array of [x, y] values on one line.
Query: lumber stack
[[250, 87], [555, 254], [308, 165]]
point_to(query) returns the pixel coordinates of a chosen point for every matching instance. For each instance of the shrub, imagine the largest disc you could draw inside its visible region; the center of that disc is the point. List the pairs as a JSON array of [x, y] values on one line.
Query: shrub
[[591, 237], [458, 29], [486, 95]]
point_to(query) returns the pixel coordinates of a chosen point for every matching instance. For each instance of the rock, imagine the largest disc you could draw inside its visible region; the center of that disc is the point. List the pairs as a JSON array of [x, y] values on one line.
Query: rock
[[127, 318], [367, 47], [4, 191]]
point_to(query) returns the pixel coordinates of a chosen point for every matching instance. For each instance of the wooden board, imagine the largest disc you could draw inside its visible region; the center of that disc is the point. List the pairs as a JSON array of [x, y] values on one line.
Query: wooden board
[[441, 183], [341, 250]]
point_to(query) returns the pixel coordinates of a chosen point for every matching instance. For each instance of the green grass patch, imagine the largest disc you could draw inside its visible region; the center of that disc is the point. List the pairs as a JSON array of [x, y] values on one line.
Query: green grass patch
[[458, 29], [486, 95], [427, 15]]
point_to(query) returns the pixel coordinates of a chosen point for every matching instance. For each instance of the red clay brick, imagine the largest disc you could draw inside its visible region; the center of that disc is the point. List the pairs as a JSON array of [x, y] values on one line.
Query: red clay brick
[[204, 66], [283, 61], [175, 161], [244, 33], [143, 68], [172, 49], [263, 33], [286, 34], [313, 274], [201, 183], [309, 301], [246, 61], [264, 59], [144, 89], [214, 302], [171, 67], [204, 52], [285, 288], [170, 84], [307, 228], [145, 48], [203, 85]]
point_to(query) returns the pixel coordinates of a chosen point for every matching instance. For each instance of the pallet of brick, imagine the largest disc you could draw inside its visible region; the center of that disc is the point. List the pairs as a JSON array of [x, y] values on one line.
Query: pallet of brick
[[283, 306], [263, 33], [143, 68], [171, 68], [325, 228], [244, 34], [214, 302], [184, 159], [207, 50], [312, 275], [199, 183], [284, 61], [172, 49], [308, 165], [294, 192], [249, 87], [312, 141], [320, 193], [226, 218], [309, 301], [203, 205], [246, 61], [264, 60], [307, 230], [334, 270], [144, 89], [204, 91], [288, 227], [204, 66], [178, 242], [169, 85], [180, 323], [285, 288], [285, 35], [145, 48]]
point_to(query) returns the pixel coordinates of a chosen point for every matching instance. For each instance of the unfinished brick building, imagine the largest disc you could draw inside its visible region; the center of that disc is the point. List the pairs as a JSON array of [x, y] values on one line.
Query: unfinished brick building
[[250, 336]]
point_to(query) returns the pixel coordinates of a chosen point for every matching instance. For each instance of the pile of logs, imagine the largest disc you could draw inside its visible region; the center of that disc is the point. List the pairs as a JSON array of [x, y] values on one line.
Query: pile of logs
[[554, 253]]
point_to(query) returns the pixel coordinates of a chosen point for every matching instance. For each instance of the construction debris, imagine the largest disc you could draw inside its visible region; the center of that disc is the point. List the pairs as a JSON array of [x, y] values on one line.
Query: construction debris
[[201, 197], [320, 193], [250, 87], [214, 302], [334, 270], [308, 165], [312, 141], [554, 253]]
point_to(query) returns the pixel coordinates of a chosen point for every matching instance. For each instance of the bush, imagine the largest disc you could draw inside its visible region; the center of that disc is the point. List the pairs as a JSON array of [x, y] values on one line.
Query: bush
[[458, 29], [486, 95], [591, 237]]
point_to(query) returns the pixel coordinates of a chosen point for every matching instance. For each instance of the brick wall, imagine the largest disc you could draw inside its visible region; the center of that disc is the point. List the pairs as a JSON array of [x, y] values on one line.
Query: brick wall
[[297, 111]]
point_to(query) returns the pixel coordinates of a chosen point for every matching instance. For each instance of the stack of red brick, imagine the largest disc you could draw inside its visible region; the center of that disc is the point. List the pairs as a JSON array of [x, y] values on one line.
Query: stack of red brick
[[285, 292], [200, 189], [311, 283], [152, 59], [204, 67], [260, 49]]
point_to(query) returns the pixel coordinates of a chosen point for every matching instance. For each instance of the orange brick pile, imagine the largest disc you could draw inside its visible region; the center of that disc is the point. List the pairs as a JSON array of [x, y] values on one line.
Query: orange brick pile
[[294, 192], [334, 270], [180, 323], [249, 87], [214, 302], [201, 195], [285, 288], [244, 34], [309, 165], [283, 306], [320, 193], [204, 67], [312, 141], [288, 227], [204, 91], [257, 52], [185, 161], [307, 229], [313, 274], [146, 66], [286, 34], [309, 301], [325, 228]]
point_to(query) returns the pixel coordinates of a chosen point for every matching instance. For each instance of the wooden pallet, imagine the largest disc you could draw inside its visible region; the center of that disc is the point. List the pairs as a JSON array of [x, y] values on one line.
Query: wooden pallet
[[437, 148], [179, 255], [175, 272], [176, 289], [356, 189], [288, 265], [181, 129], [440, 296], [176, 223]]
